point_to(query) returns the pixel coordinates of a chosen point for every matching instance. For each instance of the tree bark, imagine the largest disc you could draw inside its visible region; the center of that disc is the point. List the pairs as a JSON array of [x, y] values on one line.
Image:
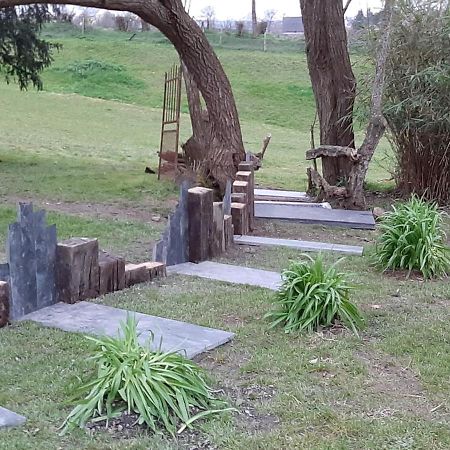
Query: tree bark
[[332, 79], [254, 19], [226, 148]]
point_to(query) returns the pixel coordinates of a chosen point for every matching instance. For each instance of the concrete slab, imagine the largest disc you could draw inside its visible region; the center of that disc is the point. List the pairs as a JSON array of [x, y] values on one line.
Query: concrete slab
[[313, 215], [303, 204], [230, 274], [287, 196], [10, 419], [90, 318], [306, 246]]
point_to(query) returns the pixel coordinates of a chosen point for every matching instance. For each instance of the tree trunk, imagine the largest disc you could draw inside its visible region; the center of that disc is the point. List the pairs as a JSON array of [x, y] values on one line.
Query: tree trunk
[[254, 19], [332, 79], [226, 148]]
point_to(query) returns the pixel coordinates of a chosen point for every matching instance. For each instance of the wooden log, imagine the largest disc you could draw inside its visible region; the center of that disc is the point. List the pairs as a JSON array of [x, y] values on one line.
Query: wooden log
[[244, 187], [4, 303], [135, 274], [217, 243], [246, 166], [77, 269], [200, 212], [239, 212], [141, 273], [228, 231], [111, 273], [248, 176]]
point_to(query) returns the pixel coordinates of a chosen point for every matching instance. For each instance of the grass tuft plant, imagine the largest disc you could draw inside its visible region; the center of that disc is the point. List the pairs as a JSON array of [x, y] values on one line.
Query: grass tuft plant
[[166, 390], [412, 238], [313, 296]]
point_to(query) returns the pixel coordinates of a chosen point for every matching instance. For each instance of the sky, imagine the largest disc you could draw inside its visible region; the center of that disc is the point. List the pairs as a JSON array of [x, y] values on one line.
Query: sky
[[241, 9]]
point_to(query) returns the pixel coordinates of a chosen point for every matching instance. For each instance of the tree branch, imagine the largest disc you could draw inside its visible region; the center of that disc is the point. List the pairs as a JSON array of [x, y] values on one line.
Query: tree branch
[[347, 5], [332, 151]]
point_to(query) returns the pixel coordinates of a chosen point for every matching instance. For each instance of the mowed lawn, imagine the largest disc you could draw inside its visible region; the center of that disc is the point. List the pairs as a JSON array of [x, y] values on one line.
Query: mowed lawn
[[80, 149]]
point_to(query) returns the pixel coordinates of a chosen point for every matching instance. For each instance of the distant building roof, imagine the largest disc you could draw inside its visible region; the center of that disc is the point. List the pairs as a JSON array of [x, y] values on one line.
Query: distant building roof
[[293, 25]]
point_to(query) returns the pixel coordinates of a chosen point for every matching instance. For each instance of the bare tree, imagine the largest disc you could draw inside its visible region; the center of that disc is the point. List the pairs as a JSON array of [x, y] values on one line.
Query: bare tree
[[209, 13], [268, 17], [254, 19], [225, 149]]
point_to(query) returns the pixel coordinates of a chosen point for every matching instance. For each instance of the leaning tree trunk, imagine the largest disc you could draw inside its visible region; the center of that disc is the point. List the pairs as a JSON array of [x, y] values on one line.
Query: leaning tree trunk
[[332, 79], [226, 148]]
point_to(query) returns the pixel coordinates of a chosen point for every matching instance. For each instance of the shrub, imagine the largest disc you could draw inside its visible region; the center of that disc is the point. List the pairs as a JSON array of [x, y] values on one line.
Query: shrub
[[312, 296], [163, 388], [412, 238]]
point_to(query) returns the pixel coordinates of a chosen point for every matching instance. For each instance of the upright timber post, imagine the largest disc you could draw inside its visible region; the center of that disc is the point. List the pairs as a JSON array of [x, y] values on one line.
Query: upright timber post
[[200, 212]]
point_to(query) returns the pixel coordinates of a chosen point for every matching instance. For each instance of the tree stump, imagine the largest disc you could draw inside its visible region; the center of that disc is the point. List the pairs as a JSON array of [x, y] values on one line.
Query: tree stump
[[77, 269], [111, 273], [200, 211], [4, 303]]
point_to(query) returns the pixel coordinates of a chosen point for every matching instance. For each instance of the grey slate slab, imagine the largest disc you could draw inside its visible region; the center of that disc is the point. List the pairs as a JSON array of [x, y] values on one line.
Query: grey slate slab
[[90, 318], [229, 273], [287, 196], [313, 215], [306, 246], [302, 204], [10, 419]]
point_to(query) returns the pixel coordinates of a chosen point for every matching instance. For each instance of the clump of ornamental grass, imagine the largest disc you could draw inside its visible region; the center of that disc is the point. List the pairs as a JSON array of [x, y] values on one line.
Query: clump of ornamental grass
[[165, 390], [313, 296], [412, 238]]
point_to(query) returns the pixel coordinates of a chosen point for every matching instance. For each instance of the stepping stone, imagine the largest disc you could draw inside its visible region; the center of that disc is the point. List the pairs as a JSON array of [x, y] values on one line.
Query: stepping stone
[[230, 274], [283, 196], [10, 419], [306, 246], [314, 215], [302, 204], [90, 318]]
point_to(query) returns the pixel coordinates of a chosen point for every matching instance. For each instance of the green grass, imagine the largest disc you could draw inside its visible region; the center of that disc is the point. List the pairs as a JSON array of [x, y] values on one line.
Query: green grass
[[387, 390]]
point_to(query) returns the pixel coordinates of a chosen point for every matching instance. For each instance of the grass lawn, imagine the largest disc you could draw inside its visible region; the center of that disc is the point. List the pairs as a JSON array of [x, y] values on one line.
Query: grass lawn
[[79, 149]]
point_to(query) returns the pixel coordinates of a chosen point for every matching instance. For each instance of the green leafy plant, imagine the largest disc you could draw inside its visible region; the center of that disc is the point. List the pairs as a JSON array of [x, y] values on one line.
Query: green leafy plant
[[166, 390], [313, 296], [412, 238]]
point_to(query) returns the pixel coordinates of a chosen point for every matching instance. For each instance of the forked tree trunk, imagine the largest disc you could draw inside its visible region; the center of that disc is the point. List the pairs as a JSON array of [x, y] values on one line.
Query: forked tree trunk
[[352, 195], [332, 79], [226, 148]]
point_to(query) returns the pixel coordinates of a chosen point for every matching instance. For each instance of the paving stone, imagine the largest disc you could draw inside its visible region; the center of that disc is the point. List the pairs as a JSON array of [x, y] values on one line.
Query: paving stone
[[307, 246], [273, 194], [314, 215], [10, 419], [229, 273], [90, 318]]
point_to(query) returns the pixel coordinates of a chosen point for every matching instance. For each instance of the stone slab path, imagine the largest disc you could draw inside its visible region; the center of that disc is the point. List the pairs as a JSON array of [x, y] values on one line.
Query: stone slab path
[[286, 196], [90, 318], [314, 215], [10, 419], [296, 203], [229, 273], [307, 246]]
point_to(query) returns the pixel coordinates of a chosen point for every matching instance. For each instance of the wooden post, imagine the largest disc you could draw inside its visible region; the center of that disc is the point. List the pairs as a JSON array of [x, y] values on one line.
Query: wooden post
[[249, 178], [239, 212], [217, 244], [228, 231], [111, 273], [238, 198], [200, 213], [4, 303], [77, 269]]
